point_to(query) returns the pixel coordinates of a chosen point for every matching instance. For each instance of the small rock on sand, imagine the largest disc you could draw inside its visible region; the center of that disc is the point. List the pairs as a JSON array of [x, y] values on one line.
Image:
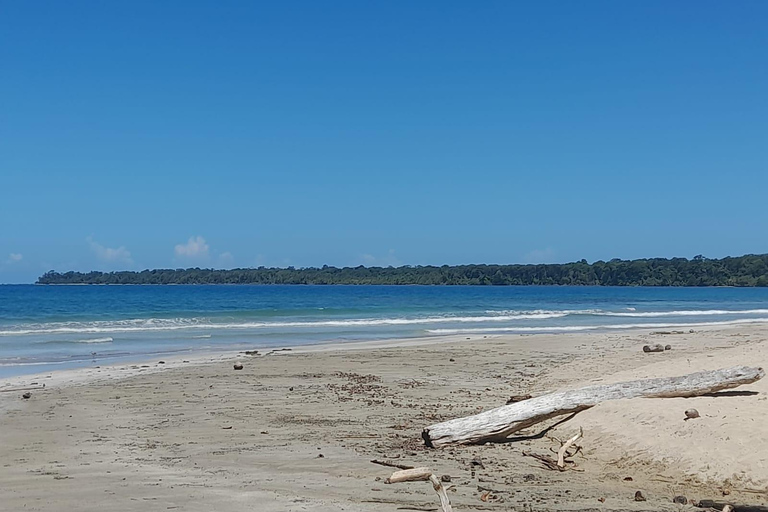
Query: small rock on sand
[[691, 413]]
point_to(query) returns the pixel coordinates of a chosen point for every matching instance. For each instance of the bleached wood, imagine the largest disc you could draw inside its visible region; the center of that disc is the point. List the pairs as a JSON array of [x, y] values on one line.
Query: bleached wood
[[497, 424], [445, 503], [409, 475], [564, 449]]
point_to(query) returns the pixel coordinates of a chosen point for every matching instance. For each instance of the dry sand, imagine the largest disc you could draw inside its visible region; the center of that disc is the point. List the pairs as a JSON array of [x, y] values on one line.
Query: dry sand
[[296, 430]]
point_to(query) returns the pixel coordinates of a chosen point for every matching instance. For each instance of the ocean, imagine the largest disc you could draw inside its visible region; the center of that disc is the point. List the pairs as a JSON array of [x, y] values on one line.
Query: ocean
[[43, 328]]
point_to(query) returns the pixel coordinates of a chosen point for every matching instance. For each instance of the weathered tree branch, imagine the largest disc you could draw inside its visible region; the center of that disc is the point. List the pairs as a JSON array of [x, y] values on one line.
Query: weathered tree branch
[[497, 424]]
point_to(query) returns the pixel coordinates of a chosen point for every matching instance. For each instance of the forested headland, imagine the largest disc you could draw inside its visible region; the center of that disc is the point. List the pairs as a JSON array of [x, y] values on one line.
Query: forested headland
[[749, 270]]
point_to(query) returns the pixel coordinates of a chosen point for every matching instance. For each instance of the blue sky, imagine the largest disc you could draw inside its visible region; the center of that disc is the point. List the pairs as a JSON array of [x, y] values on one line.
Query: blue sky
[[172, 134]]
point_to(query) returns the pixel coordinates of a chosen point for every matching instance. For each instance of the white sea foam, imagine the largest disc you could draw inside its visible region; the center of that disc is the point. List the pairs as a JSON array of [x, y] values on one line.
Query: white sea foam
[[106, 339], [709, 312], [576, 328], [142, 325]]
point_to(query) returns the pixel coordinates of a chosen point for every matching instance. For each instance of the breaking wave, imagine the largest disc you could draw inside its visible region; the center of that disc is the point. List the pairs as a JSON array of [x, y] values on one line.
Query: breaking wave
[[570, 328], [490, 316]]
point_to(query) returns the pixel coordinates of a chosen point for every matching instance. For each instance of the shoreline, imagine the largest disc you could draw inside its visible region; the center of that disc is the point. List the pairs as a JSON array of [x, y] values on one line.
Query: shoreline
[[194, 357], [202, 436]]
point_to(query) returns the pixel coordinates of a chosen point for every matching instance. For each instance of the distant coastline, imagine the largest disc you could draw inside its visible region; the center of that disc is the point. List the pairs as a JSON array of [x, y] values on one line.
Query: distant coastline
[[743, 271]]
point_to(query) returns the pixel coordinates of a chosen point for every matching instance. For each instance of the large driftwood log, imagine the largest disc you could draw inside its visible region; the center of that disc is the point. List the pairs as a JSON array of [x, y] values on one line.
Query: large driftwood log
[[497, 424]]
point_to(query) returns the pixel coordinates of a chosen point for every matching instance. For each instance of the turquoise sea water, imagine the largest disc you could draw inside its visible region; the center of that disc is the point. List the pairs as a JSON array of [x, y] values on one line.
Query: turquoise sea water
[[50, 327]]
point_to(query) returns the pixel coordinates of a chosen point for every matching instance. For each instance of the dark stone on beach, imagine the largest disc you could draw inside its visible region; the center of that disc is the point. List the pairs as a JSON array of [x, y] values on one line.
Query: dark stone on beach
[[667, 347], [477, 462], [518, 398], [290, 388], [639, 496], [320, 456], [691, 414], [26, 395], [653, 348], [161, 362], [238, 366], [680, 500], [452, 360], [445, 478]]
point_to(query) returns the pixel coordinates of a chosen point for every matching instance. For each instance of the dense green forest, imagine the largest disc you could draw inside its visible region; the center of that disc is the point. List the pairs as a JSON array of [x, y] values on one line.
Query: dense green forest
[[749, 270]]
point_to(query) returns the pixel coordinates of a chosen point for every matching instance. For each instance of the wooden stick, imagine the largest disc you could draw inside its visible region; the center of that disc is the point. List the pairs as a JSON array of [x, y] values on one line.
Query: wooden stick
[[391, 464], [409, 475], [497, 424], [564, 449]]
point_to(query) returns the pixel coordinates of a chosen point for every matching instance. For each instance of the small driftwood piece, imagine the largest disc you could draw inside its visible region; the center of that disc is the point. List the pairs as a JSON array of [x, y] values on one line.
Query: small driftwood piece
[[391, 464], [561, 453], [409, 475], [497, 424], [418, 474]]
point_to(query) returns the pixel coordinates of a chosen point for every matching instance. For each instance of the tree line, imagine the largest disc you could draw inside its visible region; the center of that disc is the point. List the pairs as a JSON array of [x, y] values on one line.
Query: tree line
[[748, 270]]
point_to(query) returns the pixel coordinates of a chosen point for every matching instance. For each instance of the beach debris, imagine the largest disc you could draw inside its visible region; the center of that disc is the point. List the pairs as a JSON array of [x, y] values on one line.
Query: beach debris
[[546, 460], [628, 479], [653, 348], [562, 453], [639, 496], [420, 474], [320, 456], [227, 427], [238, 366], [728, 507], [497, 424], [667, 347], [26, 395], [518, 398], [601, 500], [445, 478], [391, 464], [409, 475], [251, 352], [691, 414], [452, 360], [680, 500], [161, 362]]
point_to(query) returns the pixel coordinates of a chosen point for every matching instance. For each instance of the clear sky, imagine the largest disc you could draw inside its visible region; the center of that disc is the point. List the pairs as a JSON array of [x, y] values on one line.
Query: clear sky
[[145, 134]]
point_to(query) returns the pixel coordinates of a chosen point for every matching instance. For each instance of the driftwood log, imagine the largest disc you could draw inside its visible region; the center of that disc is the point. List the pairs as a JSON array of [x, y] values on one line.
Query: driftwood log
[[497, 424]]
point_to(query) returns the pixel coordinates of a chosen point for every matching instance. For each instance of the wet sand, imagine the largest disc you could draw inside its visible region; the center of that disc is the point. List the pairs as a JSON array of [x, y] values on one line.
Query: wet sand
[[296, 430]]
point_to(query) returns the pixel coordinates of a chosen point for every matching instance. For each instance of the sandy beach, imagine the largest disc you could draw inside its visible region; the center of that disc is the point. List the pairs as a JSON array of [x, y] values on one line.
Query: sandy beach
[[296, 429]]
